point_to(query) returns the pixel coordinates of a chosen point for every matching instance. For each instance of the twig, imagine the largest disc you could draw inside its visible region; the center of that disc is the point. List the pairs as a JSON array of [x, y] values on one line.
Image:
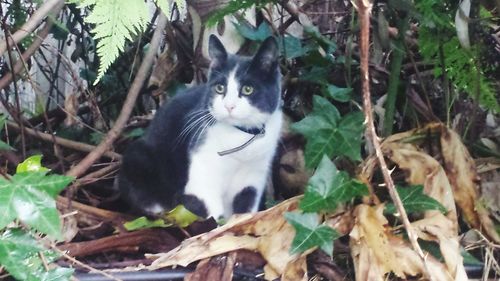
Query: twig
[[7, 78], [364, 9], [89, 268], [62, 141], [120, 123], [31, 24]]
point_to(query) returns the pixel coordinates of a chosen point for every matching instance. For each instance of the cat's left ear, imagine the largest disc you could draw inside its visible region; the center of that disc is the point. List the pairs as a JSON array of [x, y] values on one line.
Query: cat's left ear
[[216, 50], [266, 57]]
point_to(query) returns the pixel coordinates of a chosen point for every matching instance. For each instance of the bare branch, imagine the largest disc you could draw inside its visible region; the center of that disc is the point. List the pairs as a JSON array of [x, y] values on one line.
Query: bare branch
[[62, 141], [364, 9], [31, 24]]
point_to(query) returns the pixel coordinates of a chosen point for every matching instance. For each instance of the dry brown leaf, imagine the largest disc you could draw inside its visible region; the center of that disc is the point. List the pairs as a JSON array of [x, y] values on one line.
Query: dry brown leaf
[[266, 232], [464, 179], [370, 248]]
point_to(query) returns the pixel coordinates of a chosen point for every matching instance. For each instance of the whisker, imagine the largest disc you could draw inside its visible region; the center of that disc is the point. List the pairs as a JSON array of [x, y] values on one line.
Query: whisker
[[193, 122]]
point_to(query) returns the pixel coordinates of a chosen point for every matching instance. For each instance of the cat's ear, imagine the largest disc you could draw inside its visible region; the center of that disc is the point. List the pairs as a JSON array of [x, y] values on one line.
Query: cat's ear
[[266, 57], [216, 50]]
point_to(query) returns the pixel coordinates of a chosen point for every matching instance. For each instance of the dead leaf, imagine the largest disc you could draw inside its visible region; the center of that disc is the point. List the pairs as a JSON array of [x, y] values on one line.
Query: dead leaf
[[462, 173], [266, 232]]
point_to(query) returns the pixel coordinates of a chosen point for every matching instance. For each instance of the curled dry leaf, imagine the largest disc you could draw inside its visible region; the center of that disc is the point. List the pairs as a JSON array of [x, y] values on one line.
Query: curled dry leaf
[[376, 251], [462, 173], [266, 232]]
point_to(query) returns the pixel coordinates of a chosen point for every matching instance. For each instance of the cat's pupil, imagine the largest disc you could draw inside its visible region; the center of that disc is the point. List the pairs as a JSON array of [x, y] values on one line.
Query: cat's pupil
[[220, 89], [247, 90]]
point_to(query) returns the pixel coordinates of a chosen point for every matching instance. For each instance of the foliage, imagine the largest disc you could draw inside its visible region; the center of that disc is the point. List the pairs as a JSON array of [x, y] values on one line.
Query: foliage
[[415, 200], [328, 187], [28, 197], [116, 22], [439, 44], [325, 190], [329, 133], [233, 7], [178, 216], [310, 234]]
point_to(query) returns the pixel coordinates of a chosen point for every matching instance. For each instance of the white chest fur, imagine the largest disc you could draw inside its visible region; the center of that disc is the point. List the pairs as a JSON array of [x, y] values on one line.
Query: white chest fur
[[217, 179]]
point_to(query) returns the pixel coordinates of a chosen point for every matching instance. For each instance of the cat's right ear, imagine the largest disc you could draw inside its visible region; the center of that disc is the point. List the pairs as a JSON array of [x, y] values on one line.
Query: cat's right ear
[[216, 50]]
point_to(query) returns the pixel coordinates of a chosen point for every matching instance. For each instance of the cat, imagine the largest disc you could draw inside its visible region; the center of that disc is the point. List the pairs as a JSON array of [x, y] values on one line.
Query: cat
[[210, 147]]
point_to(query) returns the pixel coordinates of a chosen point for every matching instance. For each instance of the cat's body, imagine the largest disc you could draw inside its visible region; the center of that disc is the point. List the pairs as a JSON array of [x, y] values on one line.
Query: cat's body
[[197, 150]]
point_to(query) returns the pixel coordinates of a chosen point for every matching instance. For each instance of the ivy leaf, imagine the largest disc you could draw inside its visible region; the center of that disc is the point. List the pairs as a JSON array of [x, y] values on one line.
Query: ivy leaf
[[329, 187], [327, 133], [31, 164], [29, 197], [255, 34], [339, 94], [181, 216], [291, 46], [20, 255], [414, 200], [309, 234]]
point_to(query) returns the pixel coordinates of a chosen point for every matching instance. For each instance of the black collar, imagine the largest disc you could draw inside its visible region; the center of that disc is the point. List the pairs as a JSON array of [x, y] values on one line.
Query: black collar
[[252, 131], [256, 132]]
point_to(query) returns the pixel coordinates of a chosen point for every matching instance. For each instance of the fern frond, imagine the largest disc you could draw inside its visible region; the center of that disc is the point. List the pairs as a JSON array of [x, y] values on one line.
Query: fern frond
[[114, 22], [164, 6]]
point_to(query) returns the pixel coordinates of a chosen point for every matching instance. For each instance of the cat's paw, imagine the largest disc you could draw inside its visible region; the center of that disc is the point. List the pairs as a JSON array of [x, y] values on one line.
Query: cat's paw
[[195, 205]]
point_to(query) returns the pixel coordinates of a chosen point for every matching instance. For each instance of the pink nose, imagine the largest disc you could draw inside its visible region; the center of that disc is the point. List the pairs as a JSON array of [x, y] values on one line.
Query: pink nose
[[229, 107]]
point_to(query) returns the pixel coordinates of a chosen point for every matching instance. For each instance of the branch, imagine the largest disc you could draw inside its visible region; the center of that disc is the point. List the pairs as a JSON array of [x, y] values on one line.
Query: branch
[[34, 21], [62, 141], [120, 123], [364, 9]]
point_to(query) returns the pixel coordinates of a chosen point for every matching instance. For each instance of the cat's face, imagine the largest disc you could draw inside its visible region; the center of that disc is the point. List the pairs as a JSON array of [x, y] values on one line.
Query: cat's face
[[244, 91]]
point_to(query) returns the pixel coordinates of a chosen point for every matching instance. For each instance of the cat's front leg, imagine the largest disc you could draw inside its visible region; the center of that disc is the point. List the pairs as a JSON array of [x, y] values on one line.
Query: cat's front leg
[[247, 187], [203, 191]]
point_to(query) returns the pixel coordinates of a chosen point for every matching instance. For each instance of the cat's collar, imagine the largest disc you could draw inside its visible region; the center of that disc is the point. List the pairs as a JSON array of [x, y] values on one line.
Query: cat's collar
[[252, 131], [256, 132]]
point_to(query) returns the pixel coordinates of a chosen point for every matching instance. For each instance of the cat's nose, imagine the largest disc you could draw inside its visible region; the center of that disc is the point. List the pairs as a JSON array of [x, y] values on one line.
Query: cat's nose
[[229, 107]]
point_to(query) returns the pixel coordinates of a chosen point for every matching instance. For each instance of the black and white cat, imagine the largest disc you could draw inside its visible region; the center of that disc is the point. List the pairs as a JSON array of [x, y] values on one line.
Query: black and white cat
[[210, 148]]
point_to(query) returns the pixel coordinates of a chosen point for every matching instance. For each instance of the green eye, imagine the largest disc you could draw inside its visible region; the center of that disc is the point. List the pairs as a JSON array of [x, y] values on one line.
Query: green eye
[[247, 90], [219, 88]]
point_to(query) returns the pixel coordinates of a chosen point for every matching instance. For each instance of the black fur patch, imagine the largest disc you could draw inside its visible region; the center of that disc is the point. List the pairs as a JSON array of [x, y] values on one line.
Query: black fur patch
[[245, 200], [195, 205]]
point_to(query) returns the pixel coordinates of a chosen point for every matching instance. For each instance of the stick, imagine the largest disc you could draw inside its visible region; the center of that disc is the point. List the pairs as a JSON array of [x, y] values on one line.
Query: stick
[[120, 123], [62, 141], [364, 9], [31, 24]]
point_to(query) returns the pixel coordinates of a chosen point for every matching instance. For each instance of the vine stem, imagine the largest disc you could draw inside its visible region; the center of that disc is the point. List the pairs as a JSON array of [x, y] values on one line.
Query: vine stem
[[132, 95], [364, 8]]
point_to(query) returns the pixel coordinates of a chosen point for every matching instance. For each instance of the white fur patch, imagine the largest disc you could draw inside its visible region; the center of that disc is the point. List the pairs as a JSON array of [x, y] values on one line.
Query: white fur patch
[[217, 179]]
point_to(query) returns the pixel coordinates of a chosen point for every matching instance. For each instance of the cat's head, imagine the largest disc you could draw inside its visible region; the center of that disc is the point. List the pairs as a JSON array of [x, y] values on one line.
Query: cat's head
[[244, 91]]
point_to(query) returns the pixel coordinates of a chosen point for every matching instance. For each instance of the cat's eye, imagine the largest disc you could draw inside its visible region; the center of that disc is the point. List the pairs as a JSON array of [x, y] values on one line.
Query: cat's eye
[[247, 90], [219, 88]]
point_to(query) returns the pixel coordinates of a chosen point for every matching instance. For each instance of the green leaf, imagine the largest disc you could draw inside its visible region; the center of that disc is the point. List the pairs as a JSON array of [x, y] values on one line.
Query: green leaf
[[291, 47], [327, 133], [414, 200], [339, 94], [328, 187], [181, 216], [29, 197], [20, 255], [255, 34], [309, 234], [31, 164], [143, 222], [234, 6], [135, 133]]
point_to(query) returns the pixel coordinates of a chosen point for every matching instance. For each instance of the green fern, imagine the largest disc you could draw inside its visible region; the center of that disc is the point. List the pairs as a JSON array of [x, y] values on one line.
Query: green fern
[[117, 21], [114, 22], [461, 64], [234, 6]]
